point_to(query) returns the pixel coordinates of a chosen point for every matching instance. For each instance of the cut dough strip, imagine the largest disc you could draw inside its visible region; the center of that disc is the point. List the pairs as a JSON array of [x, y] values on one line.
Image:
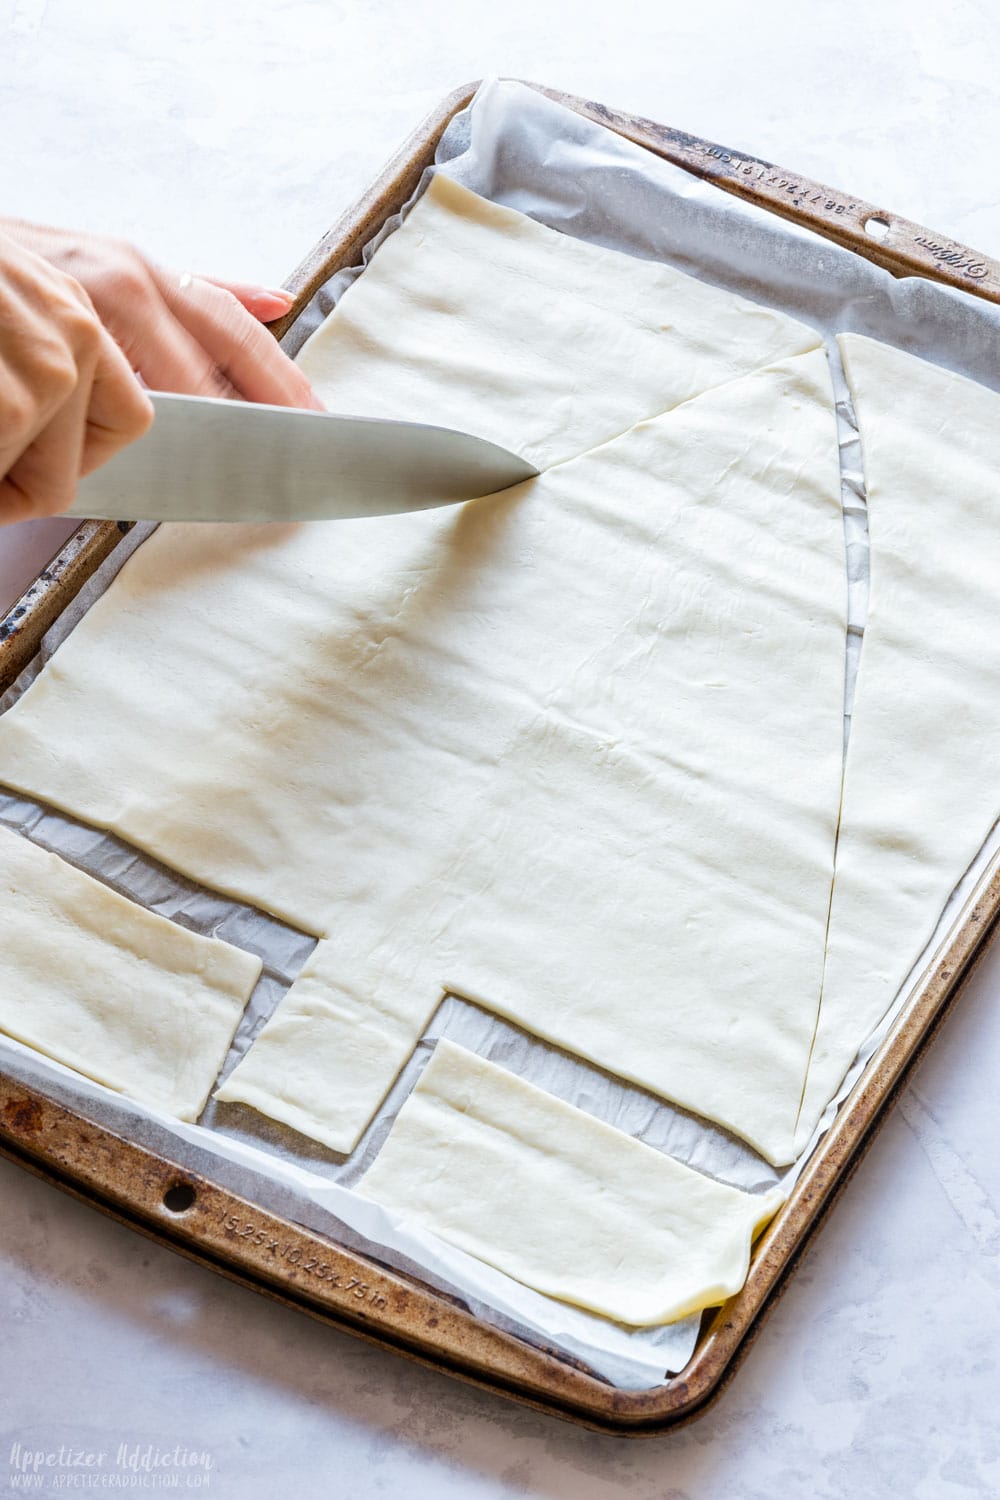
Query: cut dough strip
[[110, 989], [922, 783], [559, 1200], [331, 1051]]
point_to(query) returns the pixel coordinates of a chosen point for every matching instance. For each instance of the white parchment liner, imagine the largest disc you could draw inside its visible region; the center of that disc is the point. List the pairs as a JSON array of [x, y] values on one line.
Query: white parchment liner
[[518, 148]]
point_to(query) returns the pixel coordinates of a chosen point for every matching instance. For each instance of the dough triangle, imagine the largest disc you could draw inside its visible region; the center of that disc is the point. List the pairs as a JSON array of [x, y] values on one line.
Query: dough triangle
[[612, 811]]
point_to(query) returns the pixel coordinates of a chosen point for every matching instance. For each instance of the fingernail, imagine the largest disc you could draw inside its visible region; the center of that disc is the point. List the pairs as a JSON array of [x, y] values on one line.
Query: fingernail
[[268, 305]]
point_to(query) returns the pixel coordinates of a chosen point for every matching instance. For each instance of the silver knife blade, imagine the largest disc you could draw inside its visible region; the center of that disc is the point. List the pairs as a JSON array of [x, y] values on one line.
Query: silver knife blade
[[211, 460]]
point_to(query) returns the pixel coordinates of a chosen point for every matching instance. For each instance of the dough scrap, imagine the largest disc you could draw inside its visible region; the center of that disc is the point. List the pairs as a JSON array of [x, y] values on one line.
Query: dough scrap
[[922, 781], [615, 825], [104, 986], [479, 317], [327, 1057], [558, 1199]]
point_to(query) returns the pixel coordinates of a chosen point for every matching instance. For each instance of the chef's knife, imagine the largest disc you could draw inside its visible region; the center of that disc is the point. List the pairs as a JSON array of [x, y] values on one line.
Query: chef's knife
[[210, 460]]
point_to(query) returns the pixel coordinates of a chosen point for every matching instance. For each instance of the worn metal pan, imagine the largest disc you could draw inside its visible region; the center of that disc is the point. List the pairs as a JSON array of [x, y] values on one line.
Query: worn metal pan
[[304, 1269]]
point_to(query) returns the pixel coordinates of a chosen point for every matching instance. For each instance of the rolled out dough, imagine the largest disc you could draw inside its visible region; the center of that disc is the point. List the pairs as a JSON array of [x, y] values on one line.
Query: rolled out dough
[[922, 782], [611, 823], [209, 706], [559, 1200], [110, 989], [573, 751]]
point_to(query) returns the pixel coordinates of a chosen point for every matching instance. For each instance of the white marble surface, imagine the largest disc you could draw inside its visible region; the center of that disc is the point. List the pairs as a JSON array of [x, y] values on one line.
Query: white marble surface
[[226, 138]]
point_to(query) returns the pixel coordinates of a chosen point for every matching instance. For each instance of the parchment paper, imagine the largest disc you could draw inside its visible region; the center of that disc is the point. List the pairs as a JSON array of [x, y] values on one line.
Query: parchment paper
[[518, 148]]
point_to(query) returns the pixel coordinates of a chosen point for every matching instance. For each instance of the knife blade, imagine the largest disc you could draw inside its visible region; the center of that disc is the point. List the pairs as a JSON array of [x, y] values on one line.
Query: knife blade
[[205, 459]]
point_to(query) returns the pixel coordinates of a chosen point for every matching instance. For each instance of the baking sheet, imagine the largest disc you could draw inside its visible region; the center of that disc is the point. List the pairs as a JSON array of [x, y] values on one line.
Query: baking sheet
[[520, 149]]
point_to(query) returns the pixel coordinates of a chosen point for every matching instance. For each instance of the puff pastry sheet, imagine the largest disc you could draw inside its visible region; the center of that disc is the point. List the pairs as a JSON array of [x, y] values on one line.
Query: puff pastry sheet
[[558, 1199], [573, 751], [110, 989]]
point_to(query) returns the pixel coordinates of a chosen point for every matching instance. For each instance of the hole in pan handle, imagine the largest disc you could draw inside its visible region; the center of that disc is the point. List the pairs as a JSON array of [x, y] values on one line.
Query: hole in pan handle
[[179, 1198]]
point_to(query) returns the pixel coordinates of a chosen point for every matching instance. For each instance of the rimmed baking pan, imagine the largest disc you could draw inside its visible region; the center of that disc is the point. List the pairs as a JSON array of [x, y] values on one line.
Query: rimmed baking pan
[[210, 1224]]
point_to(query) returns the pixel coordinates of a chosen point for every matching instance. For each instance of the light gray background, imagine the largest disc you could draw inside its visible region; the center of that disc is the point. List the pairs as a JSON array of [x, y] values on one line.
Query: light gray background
[[226, 138]]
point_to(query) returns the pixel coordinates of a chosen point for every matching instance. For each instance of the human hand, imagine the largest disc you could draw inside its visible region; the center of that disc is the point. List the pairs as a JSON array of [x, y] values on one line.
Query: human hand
[[179, 333], [68, 398]]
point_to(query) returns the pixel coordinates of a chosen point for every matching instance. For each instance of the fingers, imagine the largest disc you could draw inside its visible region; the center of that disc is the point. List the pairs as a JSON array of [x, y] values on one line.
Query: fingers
[[100, 410], [68, 398], [119, 410], [126, 292], [105, 410], [46, 332], [264, 303], [43, 479], [166, 354], [15, 505], [183, 333], [78, 315], [49, 353], [240, 347], [30, 405]]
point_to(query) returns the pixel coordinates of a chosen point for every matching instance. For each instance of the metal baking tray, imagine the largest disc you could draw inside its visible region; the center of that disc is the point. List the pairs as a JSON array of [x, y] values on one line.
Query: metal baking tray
[[211, 1225]]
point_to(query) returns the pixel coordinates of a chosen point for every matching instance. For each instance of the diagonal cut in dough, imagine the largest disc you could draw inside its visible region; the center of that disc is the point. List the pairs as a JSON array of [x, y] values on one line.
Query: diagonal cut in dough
[[922, 781], [479, 317], [203, 707], [558, 1199], [110, 989], [613, 825]]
